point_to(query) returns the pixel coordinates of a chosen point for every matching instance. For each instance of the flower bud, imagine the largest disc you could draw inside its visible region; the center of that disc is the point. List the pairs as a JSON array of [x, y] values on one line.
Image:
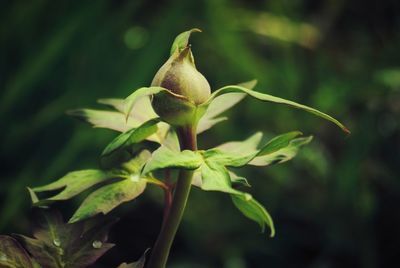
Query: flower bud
[[180, 76]]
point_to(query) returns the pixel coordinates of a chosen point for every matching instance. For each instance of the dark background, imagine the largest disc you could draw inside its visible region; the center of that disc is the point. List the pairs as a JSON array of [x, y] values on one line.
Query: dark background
[[335, 205]]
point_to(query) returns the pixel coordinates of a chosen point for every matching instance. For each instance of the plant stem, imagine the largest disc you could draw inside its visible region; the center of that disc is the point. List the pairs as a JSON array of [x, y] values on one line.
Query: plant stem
[[160, 252]]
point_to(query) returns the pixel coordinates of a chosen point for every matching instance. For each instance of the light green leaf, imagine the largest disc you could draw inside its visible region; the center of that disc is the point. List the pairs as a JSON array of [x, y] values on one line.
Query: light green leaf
[[106, 198], [143, 110], [73, 183], [116, 120], [270, 98], [165, 157], [279, 142], [171, 140], [206, 123], [238, 181], [215, 177], [253, 210], [234, 154], [182, 40], [220, 104], [281, 155], [132, 136], [104, 119], [241, 147]]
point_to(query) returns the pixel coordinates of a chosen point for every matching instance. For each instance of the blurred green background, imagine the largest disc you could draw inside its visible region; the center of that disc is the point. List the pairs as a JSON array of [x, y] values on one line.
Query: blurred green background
[[335, 205]]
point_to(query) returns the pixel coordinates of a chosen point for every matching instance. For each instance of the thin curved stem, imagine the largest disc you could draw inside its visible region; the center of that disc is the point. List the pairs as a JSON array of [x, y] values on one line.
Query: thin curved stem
[[160, 252]]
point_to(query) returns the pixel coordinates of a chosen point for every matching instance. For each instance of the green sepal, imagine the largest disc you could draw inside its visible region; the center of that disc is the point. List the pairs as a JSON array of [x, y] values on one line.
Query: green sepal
[[182, 40], [270, 98], [143, 92], [221, 104]]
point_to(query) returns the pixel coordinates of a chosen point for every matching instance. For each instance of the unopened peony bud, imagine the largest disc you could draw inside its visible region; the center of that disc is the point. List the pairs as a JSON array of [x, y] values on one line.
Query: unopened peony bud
[[180, 76]]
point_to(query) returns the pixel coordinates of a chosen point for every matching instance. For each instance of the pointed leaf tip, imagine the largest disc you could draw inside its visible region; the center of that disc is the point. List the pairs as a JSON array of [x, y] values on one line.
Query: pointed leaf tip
[[273, 99], [182, 40]]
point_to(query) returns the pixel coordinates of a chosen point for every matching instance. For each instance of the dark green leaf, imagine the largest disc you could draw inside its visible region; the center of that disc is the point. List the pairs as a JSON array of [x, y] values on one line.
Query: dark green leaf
[[270, 98], [132, 136], [164, 157], [137, 264], [12, 254], [182, 40], [282, 154], [74, 183], [60, 245], [253, 210]]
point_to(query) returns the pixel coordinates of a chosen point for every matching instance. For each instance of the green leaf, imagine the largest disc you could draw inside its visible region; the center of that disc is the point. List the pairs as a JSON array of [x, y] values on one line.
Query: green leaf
[[279, 142], [73, 183], [182, 40], [282, 154], [215, 177], [220, 104], [247, 146], [165, 157], [253, 210], [108, 197], [12, 254], [238, 181], [270, 98], [137, 264], [234, 154], [132, 136], [143, 110], [104, 119], [60, 245]]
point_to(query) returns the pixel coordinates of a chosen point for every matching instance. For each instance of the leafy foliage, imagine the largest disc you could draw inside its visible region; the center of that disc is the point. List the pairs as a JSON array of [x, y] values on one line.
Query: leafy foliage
[[57, 244], [128, 186], [133, 136], [13, 255], [74, 183]]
